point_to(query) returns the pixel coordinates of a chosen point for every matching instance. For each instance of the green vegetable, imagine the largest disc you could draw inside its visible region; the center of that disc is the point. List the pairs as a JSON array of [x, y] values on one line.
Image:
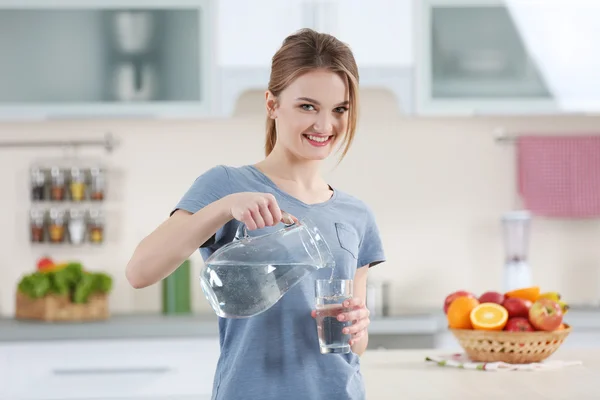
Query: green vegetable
[[35, 285], [70, 281], [85, 287], [103, 283]]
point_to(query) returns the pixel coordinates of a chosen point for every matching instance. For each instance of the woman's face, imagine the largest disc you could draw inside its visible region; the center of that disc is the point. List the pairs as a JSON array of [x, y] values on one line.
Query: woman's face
[[311, 114]]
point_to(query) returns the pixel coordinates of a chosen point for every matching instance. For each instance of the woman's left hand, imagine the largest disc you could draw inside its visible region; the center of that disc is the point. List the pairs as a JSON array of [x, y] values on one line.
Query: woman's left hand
[[358, 315]]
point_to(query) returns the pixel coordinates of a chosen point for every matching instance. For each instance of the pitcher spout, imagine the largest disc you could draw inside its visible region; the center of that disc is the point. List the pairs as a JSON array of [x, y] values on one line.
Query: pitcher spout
[[324, 257]]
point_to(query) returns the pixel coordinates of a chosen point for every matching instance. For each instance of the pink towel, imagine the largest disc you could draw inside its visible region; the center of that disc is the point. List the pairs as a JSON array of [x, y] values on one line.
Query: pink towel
[[559, 176]]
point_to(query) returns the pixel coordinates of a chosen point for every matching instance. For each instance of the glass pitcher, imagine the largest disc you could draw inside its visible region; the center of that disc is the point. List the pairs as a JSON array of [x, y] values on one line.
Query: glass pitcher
[[250, 274]]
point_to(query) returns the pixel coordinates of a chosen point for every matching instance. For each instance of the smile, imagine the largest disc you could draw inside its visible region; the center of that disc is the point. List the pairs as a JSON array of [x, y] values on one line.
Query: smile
[[318, 140]]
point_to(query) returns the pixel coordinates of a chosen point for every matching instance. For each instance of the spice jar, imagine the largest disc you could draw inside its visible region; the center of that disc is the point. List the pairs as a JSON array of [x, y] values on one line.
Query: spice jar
[[38, 184], [77, 184], [76, 226], [56, 226], [96, 227], [37, 225], [96, 184], [57, 186]]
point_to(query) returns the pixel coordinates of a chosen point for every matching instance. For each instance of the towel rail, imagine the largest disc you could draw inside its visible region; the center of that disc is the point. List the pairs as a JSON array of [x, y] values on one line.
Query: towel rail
[[502, 137]]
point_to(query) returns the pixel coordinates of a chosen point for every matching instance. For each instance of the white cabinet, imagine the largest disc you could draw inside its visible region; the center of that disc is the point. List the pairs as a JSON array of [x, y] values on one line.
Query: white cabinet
[[378, 31], [86, 58], [250, 32], [109, 369], [507, 57]]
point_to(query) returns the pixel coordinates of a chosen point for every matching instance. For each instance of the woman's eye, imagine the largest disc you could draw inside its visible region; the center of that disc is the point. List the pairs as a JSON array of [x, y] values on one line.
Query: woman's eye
[[307, 107], [341, 110]]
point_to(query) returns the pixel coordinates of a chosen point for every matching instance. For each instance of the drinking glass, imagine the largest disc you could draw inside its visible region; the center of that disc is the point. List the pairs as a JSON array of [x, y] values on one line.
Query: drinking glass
[[330, 295]]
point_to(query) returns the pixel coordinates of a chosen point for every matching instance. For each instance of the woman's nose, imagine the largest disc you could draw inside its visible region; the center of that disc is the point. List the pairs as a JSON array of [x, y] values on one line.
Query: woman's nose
[[324, 124]]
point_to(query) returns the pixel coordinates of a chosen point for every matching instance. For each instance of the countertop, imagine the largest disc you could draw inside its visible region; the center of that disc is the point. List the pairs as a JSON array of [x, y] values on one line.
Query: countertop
[[183, 326], [411, 322], [394, 374]]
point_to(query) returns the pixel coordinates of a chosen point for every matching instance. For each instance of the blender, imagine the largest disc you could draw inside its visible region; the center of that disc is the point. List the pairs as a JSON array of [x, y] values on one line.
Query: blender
[[517, 271]]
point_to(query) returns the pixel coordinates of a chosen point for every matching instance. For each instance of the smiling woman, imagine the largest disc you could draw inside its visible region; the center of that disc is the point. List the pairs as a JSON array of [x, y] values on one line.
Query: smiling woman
[[311, 103]]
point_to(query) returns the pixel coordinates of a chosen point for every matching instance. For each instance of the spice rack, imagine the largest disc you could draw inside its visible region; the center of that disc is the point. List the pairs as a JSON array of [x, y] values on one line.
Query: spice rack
[[67, 203]]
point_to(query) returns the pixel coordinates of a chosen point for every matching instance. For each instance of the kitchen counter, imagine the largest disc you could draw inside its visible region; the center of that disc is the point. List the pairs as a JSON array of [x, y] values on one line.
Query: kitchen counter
[[185, 326], [393, 374], [411, 324]]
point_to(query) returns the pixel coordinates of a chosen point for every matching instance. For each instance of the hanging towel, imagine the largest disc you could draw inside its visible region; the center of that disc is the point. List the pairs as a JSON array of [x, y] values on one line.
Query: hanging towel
[[559, 176]]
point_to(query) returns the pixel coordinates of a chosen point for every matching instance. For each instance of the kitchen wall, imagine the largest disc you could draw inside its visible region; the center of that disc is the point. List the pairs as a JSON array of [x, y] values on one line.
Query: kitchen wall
[[437, 186]]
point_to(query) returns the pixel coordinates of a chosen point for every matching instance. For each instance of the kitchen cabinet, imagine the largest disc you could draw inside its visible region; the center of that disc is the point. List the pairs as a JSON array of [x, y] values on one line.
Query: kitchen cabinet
[[249, 32], [91, 58], [384, 41], [382, 47], [379, 31], [506, 57], [109, 369]]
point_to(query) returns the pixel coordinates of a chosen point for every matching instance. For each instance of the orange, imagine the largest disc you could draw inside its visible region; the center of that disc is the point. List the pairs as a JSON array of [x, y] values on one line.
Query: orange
[[529, 293], [459, 312], [489, 317]]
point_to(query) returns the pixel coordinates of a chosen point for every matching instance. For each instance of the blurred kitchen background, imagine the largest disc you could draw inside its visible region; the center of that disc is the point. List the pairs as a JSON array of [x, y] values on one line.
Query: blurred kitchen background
[[143, 96]]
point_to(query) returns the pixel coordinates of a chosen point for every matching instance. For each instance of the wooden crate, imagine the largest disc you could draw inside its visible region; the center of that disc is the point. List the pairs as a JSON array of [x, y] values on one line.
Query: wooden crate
[[59, 308]]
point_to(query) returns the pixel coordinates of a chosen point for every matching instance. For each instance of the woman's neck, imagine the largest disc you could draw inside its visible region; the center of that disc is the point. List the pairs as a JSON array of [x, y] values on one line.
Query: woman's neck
[[285, 169]]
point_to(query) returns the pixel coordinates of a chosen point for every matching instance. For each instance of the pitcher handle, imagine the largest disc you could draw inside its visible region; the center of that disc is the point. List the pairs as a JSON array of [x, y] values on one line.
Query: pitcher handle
[[242, 230]]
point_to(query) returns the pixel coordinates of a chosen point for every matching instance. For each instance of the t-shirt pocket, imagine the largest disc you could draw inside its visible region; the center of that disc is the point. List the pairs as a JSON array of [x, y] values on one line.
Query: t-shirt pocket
[[348, 238]]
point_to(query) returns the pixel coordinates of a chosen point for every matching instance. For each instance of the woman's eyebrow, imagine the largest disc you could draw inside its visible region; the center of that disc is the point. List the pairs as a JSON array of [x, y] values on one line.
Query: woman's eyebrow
[[309, 100], [343, 103]]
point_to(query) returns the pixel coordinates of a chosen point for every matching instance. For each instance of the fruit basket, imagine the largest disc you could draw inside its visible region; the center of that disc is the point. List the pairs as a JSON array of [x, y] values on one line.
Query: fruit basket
[[521, 326], [510, 347]]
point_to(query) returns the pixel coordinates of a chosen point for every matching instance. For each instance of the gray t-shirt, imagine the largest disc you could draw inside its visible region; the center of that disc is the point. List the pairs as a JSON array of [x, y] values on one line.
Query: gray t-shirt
[[275, 355]]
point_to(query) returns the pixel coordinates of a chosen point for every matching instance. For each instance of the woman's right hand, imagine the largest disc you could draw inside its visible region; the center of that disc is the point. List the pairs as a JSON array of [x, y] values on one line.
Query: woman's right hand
[[256, 210]]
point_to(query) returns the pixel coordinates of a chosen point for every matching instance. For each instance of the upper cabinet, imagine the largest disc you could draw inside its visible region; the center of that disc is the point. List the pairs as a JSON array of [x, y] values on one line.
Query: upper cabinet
[[378, 31], [109, 58], [507, 57], [249, 32]]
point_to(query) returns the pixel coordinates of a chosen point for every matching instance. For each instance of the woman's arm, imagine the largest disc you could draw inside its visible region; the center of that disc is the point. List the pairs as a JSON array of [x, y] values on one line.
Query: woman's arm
[[169, 245], [161, 252]]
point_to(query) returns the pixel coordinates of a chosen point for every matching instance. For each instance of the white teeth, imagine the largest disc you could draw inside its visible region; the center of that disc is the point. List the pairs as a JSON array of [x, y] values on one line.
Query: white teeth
[[319, 139]]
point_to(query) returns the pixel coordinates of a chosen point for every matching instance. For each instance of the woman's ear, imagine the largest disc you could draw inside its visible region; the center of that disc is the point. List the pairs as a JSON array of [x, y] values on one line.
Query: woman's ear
[[271, 104]]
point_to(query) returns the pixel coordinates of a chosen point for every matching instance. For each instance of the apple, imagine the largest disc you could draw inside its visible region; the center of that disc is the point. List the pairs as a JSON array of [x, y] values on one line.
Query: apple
[[517, 307], [519, 324], [45, 263], [492, 297], [453, 296], [545, 315]]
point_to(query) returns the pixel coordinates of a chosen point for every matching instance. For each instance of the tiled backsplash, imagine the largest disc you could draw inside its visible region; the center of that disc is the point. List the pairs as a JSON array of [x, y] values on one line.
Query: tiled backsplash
[[437, 186]]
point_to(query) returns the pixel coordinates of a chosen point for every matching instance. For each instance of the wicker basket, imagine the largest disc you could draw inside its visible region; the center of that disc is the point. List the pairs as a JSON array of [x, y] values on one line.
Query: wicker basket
[[59, 308], [510, 347]]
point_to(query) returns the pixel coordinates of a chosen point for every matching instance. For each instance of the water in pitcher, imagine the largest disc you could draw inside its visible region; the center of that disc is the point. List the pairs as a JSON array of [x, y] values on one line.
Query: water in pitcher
[[251, 288], [329, 329]]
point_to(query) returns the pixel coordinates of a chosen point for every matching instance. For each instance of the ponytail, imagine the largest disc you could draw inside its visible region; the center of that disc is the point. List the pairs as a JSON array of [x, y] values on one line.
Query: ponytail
[[271, 136]]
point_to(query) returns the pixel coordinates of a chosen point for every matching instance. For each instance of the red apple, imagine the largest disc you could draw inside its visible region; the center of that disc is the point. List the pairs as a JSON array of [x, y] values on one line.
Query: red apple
[[453, 296], [545, 315], [519, 324], [492, 297], [517, 307]]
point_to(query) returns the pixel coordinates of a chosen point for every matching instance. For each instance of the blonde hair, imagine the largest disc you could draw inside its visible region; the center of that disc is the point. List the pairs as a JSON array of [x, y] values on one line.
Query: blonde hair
[[305, 51]]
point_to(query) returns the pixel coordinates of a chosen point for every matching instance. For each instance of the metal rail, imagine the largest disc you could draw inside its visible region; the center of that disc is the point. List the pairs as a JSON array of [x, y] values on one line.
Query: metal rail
[[109, 143]]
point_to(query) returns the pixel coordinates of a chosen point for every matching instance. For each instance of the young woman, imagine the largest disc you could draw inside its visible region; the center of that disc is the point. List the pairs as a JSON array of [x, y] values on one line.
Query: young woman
[[311, 105]]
